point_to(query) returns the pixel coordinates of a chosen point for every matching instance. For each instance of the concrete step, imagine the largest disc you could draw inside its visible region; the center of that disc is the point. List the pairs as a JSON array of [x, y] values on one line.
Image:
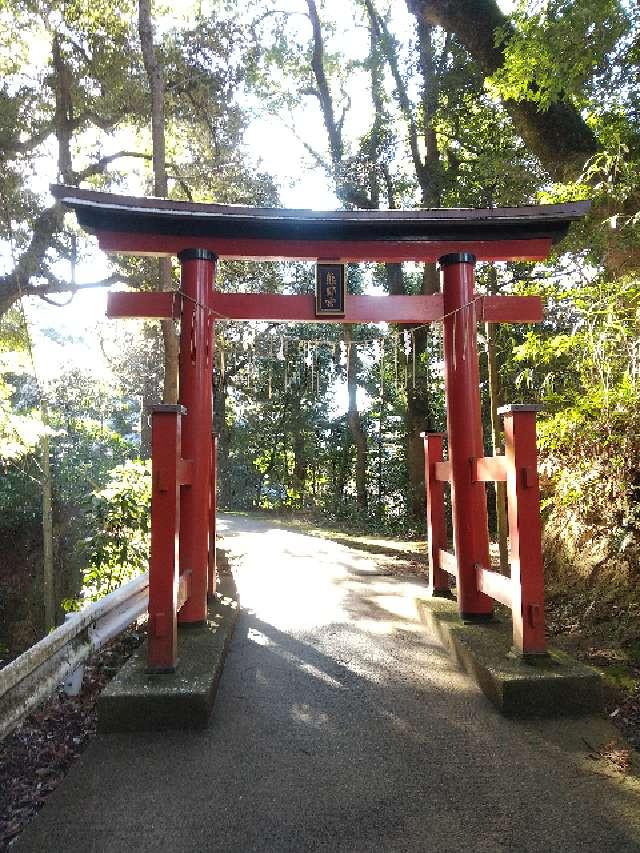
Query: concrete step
[[140, 701]]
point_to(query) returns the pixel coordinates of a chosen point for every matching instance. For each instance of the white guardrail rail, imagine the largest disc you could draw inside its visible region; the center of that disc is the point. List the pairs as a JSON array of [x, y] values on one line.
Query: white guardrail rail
[[34, 675]]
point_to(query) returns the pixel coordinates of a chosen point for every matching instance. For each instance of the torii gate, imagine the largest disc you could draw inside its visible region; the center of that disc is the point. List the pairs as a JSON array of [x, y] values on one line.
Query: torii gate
[[182, 560]]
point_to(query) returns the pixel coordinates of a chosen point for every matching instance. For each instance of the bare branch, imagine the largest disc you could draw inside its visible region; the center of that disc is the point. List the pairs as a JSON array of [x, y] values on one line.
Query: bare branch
[[317, 66], [28, 145], [309, 90], [273, 12], [64, 110], [58, 285], [58, 304], [100, 166], [319, 159], [346, 190], [388, 182], [30, 262], [104, 123], [344, 111], [391, 55]]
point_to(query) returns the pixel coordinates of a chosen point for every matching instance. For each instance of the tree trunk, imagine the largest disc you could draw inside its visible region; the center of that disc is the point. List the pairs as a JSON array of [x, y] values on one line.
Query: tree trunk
[[354, 420], [171, 351], [48, 578], [145, 426], [381, 494], [299, 464], [64, 131], [224, 443], [558, 135], [155, 76], [419, 415], [430, 175], [64, 111], [344, 471]]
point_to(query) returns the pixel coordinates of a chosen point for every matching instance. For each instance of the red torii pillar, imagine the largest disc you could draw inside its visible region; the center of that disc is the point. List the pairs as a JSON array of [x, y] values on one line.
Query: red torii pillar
[[183, 498], [464, 423], [195, 394]]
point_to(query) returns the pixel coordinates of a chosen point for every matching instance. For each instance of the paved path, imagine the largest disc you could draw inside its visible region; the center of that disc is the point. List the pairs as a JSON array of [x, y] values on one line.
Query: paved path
[[338, 726]]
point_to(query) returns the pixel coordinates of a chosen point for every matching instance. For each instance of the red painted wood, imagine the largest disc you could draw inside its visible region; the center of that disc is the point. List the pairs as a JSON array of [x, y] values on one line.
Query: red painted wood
[[489, 469], [448, 562], [443, 471], [497, 586], [511, 309], [151, 306], [184, 589], [164, 553], [196, 395], [525, 534], [358, 309], [185, 472], [462, 376], [436, 524], [380, 251]]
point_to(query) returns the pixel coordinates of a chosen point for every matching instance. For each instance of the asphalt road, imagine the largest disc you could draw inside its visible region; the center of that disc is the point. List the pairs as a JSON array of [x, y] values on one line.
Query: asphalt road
[[340, 726]]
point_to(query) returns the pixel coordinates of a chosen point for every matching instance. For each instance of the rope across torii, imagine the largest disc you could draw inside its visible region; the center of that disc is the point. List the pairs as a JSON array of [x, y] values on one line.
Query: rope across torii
[[182, 562]]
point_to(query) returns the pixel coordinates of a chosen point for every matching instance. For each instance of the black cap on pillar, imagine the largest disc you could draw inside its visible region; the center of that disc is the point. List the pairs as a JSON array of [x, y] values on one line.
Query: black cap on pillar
[[457, 258], [197, 255]]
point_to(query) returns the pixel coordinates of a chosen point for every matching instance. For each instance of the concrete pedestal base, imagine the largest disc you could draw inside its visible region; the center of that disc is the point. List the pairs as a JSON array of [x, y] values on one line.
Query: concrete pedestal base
[[138, 701], [553, 685]]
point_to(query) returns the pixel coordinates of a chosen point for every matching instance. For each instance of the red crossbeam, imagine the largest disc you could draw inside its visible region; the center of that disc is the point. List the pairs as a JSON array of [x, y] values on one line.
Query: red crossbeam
[[147, 306], [489, 469], [443, 471], [494, 585], [511, 309], [448, 562], [485, 469], [358, 309], [301, 308], [375, 251], [184, 589]]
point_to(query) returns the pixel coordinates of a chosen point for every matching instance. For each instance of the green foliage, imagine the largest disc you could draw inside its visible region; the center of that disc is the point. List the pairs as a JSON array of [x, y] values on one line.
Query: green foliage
[[93, 426], [596, 357], [487, 163], [20, 430], [119, 518], [90, 428], [557, 48], [588, 376], [590, 456]]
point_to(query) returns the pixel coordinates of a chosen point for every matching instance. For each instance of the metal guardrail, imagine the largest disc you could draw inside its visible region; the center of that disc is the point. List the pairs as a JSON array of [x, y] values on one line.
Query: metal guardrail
[[30, 678]]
